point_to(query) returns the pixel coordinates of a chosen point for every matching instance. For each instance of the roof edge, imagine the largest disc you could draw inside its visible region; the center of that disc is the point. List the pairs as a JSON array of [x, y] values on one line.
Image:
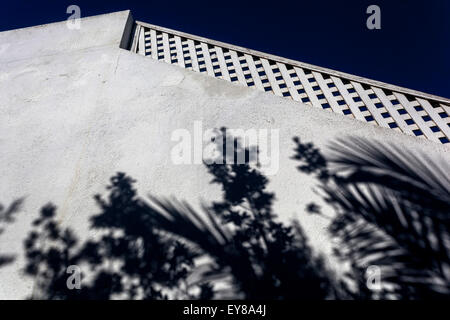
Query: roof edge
[[300, 64]]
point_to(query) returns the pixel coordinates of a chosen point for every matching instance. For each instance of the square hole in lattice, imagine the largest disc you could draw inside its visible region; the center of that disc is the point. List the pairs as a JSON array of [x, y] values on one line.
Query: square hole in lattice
[[233, 78], [409, 121], [282, 85], [311, 79], [247, 76], [315, 88], [306, 99], [188, 65], [331, 85], [276, 70], [401, 111], [265, 80], [434, 104], [320, 96], [372, 96], [395, 102], [279, 78], [229, 64], [269, 88], [307, 71], [326, 76], [250, 84], [286, 94], [356, 99], [261, 73], [202, 69], [443, 140], [418, 108], [365, 86], [325, 106], [363, 108], [301, 91], [348, 111], [351, 90], [410, 97], [245, 68], [341, 102], [443, 115], [426, 118], [296, 83], [345, 81], [385, 114], [435, 128], [379, 105], [393, 125], [418, 132], [369, 118], [387, 92], [336, 93]]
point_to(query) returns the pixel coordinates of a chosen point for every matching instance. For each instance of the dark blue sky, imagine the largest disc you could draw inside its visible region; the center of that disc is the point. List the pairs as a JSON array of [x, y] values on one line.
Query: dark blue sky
[[412, 49]]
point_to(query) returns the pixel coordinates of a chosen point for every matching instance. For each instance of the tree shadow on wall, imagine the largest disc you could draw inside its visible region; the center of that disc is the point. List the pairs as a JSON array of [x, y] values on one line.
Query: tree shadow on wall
[[391, 210], [163, 249], [130, 257], [265, 258]]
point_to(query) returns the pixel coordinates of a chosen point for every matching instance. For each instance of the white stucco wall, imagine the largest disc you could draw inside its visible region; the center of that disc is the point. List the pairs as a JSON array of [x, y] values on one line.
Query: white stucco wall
[[75, 109]]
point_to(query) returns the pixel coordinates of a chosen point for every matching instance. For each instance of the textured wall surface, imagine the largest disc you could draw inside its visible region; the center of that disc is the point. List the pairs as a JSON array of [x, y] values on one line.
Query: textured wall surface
[[75, 109]]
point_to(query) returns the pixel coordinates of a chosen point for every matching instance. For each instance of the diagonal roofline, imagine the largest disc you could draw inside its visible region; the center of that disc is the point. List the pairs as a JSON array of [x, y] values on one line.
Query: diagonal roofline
[[268, 56], [401, 109]]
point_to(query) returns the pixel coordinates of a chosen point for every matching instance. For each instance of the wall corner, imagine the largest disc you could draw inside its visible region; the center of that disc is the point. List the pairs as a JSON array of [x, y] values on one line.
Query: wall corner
[[127, 34]]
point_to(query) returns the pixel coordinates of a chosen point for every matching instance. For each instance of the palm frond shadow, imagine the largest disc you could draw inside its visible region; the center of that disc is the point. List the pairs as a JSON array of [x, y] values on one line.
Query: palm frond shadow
[[392, 210], [419, 179], [149, 249], [241, 235], [179, 218]]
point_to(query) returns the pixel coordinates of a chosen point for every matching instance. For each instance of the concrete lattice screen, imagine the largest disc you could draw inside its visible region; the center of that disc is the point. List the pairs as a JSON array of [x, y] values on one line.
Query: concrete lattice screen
[[404, 110]]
